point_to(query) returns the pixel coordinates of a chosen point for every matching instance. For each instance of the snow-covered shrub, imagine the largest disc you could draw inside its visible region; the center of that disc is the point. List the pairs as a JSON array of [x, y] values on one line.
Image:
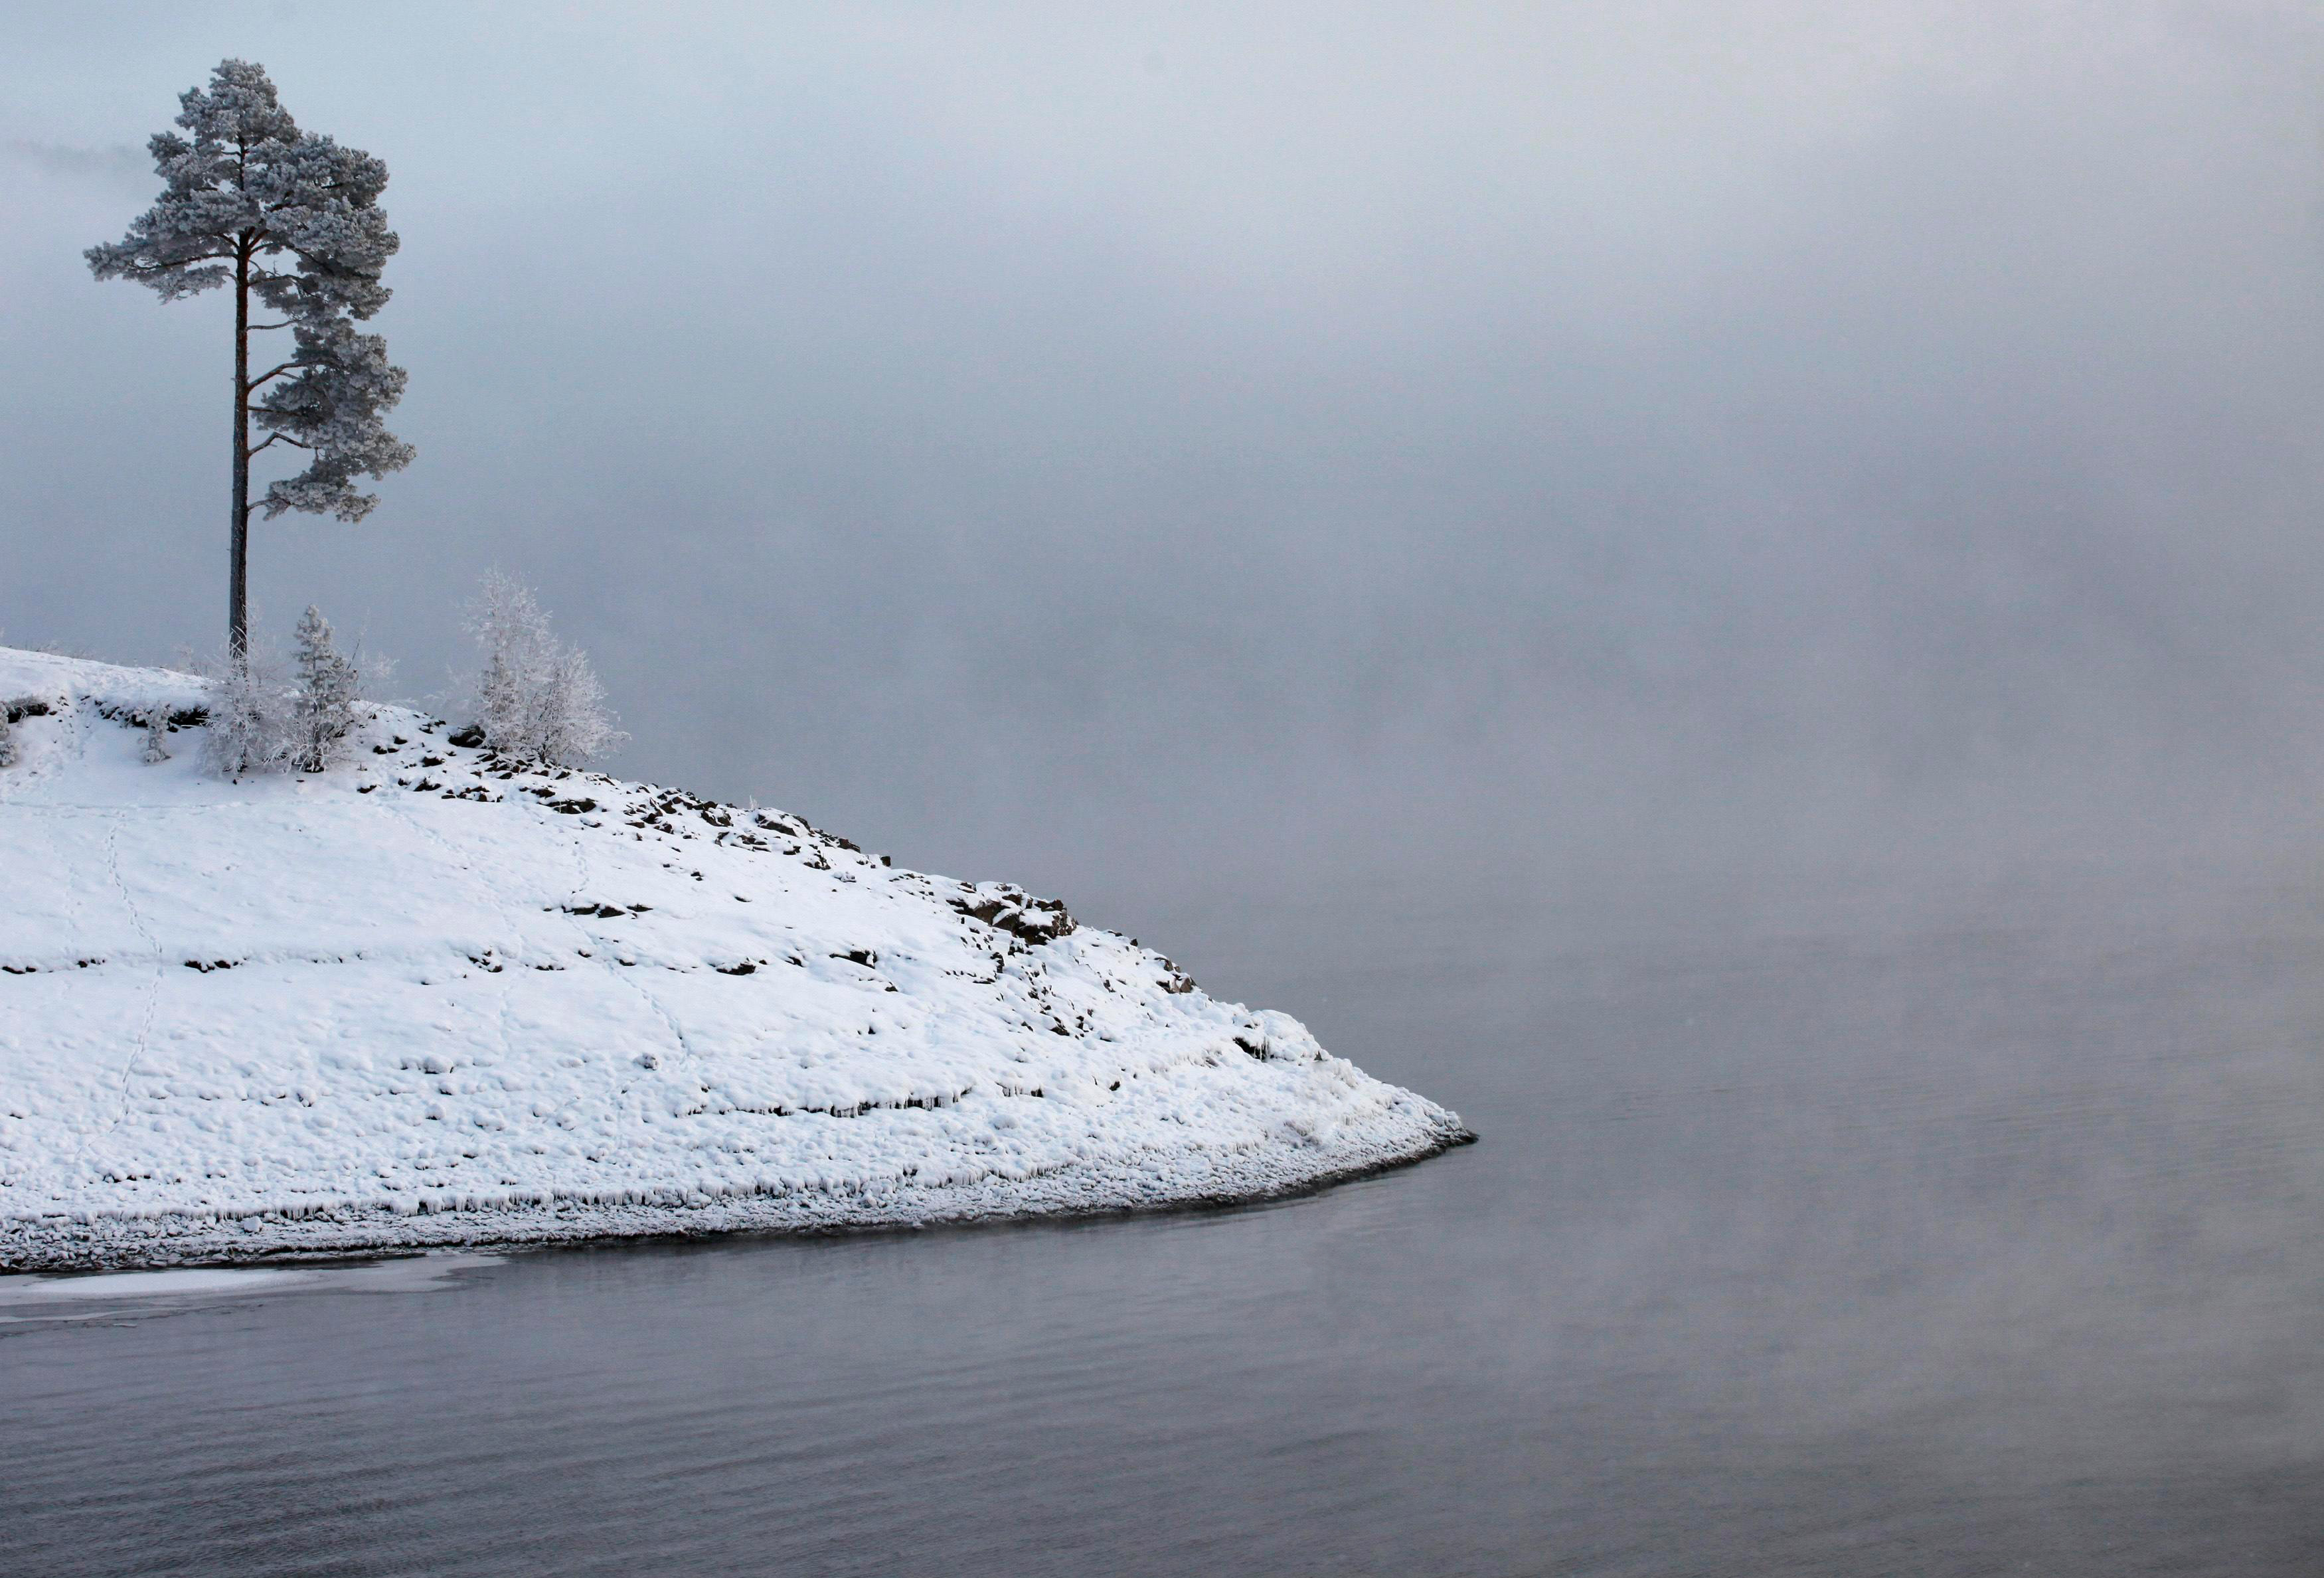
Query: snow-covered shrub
[[535, 699], [252, 716], [12, 713], [157, 734]]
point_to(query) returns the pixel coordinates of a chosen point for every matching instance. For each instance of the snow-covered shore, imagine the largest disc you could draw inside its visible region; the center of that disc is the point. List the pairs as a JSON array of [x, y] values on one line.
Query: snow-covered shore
[[429, 999]]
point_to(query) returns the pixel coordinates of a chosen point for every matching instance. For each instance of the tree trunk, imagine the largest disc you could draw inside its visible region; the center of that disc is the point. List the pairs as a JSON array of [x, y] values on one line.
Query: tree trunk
[[238, 613]]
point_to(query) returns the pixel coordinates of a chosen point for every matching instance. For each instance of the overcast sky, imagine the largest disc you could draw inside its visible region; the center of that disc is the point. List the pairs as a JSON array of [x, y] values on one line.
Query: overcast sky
[[1139, 451]]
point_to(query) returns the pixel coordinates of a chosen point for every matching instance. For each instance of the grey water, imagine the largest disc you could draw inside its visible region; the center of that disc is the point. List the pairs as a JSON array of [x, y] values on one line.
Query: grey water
[[1824, 1226]]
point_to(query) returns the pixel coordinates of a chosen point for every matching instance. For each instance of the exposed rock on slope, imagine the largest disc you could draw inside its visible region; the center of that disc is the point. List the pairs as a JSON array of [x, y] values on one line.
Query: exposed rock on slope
[[436, 998]]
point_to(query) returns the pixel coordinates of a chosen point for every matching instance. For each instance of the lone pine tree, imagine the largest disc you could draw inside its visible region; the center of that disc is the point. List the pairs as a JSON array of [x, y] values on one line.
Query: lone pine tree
[[250, 188]]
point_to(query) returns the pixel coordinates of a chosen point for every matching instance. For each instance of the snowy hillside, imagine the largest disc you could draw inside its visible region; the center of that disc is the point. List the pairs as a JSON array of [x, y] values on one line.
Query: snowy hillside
[[427, 999]]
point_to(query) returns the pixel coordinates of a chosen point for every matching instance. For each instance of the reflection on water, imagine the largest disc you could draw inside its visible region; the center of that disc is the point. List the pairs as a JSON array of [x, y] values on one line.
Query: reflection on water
[[1812, 1236]]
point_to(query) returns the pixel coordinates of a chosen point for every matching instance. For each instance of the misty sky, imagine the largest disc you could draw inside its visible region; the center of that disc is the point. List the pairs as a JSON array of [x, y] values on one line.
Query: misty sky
[[1139, 451]]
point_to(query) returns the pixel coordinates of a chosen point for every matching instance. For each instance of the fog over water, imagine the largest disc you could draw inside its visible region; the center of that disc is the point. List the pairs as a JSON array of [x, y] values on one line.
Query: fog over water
[[1142, 453]]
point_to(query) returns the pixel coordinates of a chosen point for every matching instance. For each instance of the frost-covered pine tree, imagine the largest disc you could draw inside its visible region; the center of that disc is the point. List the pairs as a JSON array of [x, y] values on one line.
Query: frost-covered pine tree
[[292, 218], [534, 698], [323, 710]]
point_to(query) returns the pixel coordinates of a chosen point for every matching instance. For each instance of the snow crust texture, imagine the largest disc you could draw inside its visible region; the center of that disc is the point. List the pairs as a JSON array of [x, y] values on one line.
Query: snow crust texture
[[432, 998]]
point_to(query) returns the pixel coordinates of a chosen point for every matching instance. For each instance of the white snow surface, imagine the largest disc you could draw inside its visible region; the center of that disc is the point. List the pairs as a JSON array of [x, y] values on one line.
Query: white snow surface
[[430, 998]]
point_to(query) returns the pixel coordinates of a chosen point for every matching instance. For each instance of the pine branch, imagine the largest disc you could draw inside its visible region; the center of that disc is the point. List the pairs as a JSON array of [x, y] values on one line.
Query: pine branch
[[267, 377], [163, 268]]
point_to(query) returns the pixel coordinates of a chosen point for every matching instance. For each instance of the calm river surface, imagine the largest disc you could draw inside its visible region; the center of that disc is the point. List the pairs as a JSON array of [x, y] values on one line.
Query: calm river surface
[[1837, 1233]]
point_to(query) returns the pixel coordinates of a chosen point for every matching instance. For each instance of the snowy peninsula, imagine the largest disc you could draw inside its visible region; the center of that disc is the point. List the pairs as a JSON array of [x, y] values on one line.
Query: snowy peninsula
[[431, 997]]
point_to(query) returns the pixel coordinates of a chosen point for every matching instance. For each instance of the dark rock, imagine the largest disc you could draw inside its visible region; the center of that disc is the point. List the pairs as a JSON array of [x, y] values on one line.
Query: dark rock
[[1005, 907]]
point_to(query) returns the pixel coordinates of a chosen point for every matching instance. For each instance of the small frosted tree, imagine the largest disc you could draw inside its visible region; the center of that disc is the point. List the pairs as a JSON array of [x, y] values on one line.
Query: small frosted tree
[[323, 709], [247, 193], [534, 698]]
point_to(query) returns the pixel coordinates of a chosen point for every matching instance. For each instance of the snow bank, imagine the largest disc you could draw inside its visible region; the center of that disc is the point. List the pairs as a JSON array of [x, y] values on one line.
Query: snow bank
[[430, 998]]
